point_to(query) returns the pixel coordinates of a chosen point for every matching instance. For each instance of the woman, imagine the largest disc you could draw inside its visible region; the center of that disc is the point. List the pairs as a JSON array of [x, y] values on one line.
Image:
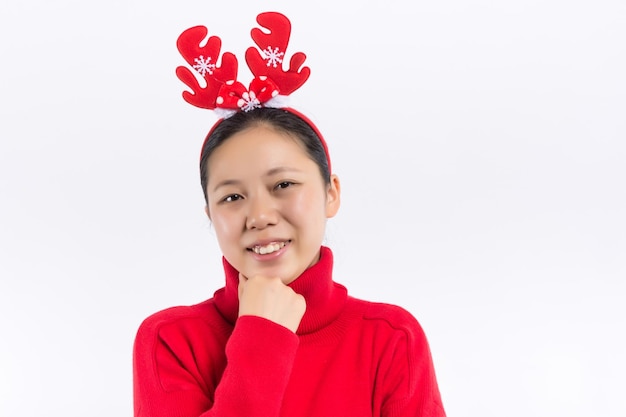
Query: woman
[[280, 338]]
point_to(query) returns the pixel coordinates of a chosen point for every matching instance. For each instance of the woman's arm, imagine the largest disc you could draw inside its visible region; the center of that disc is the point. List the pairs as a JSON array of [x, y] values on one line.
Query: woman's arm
[[167, 382], [406, 384]]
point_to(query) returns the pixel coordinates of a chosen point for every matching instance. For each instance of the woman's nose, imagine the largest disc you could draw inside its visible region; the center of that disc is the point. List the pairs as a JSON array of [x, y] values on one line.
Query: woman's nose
[[261, 212]]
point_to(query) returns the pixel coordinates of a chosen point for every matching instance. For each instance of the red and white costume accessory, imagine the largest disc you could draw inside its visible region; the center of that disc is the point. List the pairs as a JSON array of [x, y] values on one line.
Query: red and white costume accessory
[[223, 93]]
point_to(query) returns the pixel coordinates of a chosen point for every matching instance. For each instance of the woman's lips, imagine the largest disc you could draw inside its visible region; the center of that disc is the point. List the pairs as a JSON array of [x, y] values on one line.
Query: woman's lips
[[269, 248]]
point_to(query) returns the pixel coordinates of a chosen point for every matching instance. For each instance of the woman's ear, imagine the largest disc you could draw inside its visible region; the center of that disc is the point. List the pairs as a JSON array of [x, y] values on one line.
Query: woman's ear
[[206, 210], [333, 196]]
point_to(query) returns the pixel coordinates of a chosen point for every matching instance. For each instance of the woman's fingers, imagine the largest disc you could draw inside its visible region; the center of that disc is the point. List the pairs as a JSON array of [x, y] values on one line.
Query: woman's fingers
[[270, 298]]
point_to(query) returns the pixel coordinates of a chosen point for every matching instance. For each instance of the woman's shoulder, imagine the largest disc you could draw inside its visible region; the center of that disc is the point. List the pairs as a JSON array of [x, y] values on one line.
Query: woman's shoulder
[[391, 316], [181, 316]]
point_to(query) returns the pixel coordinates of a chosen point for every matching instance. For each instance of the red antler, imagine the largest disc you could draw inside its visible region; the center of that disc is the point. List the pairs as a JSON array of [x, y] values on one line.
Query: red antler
[[268, 62], [203, 59]]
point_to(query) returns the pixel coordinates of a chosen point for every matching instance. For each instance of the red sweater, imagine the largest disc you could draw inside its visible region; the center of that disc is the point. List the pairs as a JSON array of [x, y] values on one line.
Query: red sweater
[[348, 358]]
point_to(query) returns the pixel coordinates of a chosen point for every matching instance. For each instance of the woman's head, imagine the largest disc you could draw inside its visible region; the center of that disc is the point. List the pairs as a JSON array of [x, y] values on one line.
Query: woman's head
[[282, 120], [268, 189]]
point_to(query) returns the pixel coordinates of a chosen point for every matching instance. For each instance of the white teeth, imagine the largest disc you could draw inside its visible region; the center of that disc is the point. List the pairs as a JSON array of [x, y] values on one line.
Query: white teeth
[[270, 248]]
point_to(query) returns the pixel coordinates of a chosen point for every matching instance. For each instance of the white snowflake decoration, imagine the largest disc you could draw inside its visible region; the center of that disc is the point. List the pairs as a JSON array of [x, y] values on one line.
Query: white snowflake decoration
[[248, 101], [204, 66], [272, 56]]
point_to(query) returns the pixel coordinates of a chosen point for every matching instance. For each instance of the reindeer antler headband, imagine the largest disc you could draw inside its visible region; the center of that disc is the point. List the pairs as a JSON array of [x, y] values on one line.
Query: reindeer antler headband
[[223, 93]]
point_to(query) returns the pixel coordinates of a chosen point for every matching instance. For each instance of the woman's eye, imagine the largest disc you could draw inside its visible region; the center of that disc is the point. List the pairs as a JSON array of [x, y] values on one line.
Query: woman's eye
[[284, 184], [231, 198]]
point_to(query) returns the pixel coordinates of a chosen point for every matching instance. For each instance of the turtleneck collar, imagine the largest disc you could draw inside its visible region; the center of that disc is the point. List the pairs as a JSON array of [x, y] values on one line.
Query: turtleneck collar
[[324, 298]]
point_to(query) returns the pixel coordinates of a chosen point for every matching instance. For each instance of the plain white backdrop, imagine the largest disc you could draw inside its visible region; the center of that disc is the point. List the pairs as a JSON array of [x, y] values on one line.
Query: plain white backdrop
[[481, 147]]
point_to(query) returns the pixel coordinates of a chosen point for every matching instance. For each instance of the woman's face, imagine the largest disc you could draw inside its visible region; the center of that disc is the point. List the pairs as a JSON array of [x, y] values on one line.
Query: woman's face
[[268, 203]]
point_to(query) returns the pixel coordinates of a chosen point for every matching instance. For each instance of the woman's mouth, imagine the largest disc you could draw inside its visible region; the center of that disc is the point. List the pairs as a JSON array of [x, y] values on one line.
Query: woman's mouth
[[269, 248]]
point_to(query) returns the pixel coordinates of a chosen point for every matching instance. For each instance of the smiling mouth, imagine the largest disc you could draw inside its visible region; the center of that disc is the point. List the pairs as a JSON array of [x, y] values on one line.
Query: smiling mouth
[[269, 248]]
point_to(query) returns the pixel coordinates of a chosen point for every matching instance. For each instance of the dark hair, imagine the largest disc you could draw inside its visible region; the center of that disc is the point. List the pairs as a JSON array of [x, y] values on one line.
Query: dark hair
[[281, 120]]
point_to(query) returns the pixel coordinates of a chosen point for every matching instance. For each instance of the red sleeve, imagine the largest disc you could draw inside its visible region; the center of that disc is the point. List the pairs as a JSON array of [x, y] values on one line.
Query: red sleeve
[[260, 356], [409, 384]]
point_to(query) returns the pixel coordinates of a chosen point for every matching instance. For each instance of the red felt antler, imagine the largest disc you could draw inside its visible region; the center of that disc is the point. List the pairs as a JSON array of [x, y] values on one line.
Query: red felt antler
[[203, 60], [268, 61], [227, 96]]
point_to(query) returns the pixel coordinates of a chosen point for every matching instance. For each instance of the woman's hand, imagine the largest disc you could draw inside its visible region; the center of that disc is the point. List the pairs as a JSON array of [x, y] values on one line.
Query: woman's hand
[[271, 299]]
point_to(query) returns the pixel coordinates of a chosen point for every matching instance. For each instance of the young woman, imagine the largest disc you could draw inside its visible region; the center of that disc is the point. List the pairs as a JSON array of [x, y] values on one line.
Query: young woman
[[281, 338]]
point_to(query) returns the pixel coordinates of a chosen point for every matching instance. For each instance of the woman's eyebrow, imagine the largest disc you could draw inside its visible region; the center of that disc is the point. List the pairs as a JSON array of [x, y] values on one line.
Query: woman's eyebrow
[[279, 170], [225, 183], [273, 171]]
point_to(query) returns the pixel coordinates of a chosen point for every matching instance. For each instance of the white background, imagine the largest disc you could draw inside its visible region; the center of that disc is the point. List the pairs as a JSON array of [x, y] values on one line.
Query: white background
[[481, 145]]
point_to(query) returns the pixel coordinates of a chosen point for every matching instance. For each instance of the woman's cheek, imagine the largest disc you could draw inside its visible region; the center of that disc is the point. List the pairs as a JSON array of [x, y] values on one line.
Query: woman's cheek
[[305, 208], [224, 224]]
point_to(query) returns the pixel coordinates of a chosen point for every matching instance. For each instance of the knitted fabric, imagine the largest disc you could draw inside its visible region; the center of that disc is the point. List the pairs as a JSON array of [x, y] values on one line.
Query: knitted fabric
[[349, 357]]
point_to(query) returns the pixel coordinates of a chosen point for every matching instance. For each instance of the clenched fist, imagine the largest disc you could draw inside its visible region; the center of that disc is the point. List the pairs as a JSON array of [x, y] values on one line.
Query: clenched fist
[[271, 299]]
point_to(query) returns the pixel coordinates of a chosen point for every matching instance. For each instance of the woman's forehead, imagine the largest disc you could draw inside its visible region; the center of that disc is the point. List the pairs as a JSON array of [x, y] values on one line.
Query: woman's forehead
[[259, 148]]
